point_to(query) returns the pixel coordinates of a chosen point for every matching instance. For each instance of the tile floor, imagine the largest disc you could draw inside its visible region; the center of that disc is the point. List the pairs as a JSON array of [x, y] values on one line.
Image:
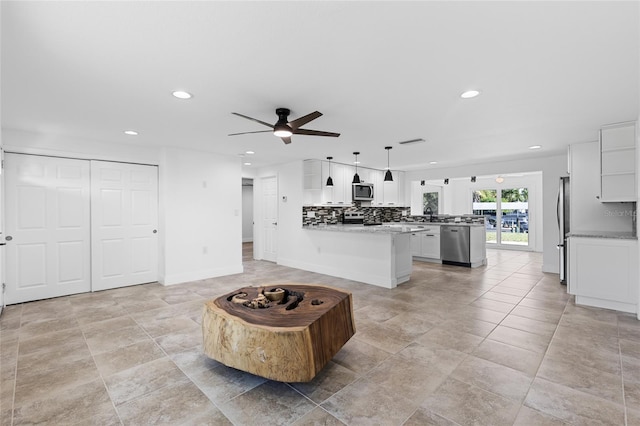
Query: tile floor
[[498, 345]]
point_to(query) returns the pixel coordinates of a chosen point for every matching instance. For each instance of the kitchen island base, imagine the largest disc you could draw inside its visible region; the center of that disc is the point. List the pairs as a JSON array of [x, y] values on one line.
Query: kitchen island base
[[289, 340]]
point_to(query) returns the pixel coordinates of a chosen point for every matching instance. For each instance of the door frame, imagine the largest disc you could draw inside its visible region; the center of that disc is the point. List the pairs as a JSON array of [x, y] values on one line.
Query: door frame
[[258, 209]]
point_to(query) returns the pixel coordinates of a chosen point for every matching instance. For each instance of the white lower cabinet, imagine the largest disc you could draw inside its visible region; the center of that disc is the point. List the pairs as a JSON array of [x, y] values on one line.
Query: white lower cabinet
[[603, 272], [426, 244]]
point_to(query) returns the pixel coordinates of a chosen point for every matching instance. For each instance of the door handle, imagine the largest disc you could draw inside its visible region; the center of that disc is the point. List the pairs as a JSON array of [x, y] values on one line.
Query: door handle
[[155, 231], [8, 238], [274, 223]]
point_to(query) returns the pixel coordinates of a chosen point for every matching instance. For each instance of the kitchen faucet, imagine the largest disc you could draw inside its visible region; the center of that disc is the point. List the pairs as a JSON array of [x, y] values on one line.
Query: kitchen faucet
[[430, 213]]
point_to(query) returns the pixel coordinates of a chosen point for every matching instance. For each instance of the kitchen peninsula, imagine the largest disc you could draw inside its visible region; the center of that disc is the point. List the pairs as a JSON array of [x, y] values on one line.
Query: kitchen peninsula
[[378, 255]]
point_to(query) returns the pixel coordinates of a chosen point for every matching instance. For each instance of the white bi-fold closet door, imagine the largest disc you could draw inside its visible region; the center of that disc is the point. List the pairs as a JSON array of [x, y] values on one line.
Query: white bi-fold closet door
[[75, 226]]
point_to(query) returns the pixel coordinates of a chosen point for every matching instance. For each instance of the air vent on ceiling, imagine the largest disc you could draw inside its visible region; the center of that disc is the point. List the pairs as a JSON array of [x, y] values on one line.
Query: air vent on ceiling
[[411, 141]]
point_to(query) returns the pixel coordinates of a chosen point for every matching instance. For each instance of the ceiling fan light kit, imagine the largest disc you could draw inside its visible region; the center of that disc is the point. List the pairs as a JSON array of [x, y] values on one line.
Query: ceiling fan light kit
[[284, 128]]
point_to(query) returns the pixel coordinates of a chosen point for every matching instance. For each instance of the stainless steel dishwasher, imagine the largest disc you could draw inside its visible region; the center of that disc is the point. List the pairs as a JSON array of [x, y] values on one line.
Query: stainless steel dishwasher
[[455, 245]]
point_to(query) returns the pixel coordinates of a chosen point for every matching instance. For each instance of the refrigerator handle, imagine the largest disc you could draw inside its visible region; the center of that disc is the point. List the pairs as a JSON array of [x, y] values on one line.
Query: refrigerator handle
[[558, 212]]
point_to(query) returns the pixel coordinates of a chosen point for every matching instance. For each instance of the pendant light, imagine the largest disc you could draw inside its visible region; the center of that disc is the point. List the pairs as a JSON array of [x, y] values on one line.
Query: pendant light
[[388, 177], [329, 180], [356, 178]]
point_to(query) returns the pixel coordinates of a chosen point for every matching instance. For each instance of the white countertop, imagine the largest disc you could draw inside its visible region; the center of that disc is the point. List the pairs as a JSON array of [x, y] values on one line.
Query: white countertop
[[388, 228], [375, 229], [604, 234]]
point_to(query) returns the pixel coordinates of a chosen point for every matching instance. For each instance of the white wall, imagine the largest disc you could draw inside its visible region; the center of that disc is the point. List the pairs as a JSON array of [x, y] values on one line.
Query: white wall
[[198, 211], [587, 212], [247, 213], [552, 167], [200, 207]]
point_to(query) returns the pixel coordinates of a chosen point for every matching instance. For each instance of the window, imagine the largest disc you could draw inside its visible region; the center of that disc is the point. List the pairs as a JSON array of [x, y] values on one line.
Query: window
[[430, 201], [506, 213]]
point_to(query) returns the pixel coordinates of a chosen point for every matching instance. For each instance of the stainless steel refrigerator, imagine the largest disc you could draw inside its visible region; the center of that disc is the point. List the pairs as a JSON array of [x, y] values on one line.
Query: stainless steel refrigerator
[[564, 227]]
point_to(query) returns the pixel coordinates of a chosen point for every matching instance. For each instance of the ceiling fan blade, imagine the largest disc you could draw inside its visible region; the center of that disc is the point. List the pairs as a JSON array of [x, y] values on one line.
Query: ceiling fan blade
[[304, 120], [246, 133], [264, 123], [286, 140], [314, 133]]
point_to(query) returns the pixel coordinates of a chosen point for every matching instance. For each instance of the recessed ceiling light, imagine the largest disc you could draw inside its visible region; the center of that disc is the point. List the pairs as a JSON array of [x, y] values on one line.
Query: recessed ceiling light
[[470, 94], [535, 147], [247, 164], [131, 132], [250, 152], [433, 162], [180, 94]]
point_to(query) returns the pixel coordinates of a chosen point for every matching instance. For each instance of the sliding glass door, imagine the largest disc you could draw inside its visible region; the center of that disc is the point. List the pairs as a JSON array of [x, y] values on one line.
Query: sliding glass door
[[506, 213]]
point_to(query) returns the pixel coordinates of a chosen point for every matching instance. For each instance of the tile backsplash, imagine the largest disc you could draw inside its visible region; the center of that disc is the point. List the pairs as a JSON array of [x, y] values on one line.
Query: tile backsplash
[[330, 215]]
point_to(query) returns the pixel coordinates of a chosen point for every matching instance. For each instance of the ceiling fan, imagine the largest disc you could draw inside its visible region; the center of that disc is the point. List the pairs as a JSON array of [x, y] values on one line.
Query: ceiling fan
[[284, 128]]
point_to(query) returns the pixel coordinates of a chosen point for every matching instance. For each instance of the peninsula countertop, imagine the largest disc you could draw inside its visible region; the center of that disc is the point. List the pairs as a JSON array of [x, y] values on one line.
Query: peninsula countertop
[[386, 228]]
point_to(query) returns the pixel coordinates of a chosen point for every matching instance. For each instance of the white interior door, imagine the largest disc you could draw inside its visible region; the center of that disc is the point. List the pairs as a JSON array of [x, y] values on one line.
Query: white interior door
[[270, 218], [47, 227], [124, 224]]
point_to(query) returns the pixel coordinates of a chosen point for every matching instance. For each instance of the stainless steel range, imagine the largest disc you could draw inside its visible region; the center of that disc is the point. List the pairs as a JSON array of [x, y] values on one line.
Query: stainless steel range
[[353, 218]]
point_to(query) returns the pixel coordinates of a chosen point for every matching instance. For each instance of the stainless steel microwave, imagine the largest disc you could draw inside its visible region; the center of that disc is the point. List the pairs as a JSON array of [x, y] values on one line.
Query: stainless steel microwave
[[362, 191]]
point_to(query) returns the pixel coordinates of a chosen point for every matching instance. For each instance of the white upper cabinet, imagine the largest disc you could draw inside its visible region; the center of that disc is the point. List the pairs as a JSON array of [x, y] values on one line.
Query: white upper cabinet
[[618, 162], [378, 190], [316, 191], [394, 190]]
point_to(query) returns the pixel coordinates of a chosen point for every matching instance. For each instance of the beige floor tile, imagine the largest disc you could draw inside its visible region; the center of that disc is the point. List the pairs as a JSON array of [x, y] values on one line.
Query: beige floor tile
[[404, 378], [317, 417], [426, 417], [527, 324], [222, 383], [383, 338], [331, 379], [460, 341], [583, 378], [120, 359], [181, 341], [587, 351], [193, 361], [359, 356], [523, 360], [106, 341], [466, 404], [571, 405], [364, 403], [31, 387], [502, 297], [142, 379], [469, 325], [520, 338], [537, 314], [434, 355], [530, 417], [496, 378], [175, 404], [272, 403], [494, 305], [78, 404]]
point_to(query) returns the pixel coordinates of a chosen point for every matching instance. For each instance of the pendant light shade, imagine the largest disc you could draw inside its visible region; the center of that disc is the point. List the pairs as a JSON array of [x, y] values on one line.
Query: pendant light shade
[[388, 177], [356, 178], [329, 180]]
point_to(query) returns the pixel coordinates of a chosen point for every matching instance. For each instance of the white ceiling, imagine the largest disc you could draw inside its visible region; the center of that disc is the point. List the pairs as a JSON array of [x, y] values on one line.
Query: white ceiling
[[550, 73]]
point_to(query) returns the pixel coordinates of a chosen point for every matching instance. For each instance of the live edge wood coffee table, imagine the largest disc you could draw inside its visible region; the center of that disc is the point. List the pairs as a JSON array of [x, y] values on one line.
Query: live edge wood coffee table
[[289, 340]]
